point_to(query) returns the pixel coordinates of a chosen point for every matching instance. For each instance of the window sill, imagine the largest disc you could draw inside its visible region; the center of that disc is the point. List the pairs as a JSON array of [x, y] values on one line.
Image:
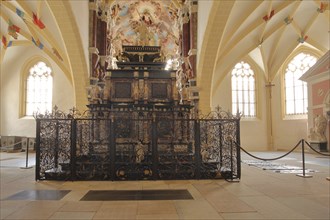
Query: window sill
[[295, 117], [255, 119], [28, 117]]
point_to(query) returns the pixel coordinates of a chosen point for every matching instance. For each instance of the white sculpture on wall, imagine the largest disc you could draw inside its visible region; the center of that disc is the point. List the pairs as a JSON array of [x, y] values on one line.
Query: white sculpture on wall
[[317, 132]]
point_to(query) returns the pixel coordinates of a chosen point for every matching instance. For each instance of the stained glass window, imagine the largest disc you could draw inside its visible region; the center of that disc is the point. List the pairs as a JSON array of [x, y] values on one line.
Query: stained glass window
[[39, 89], [296, 98], [243, 90]]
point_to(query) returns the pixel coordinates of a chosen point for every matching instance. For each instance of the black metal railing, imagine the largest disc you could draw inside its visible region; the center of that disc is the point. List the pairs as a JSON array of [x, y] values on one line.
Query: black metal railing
[[137, 148]]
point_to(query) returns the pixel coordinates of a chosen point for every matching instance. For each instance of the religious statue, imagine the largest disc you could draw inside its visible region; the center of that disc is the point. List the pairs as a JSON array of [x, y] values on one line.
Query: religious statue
[[317, 132], [139, 152], [205, 153], [144, 34], [188, 68]]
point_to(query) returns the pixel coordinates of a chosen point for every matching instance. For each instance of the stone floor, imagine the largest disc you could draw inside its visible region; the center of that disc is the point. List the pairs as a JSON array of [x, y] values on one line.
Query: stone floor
[[260, 194]]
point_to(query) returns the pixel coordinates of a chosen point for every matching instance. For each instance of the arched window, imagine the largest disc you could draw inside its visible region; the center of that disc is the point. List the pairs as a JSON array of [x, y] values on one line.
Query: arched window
[[243, 90], [39, 89], [295, 89]]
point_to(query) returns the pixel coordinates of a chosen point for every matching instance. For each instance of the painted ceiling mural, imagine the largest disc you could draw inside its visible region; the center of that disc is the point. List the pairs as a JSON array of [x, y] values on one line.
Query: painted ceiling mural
[[144, 23]]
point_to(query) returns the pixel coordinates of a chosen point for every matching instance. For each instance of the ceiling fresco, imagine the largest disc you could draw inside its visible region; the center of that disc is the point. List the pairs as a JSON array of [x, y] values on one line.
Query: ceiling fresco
[[144, 23]]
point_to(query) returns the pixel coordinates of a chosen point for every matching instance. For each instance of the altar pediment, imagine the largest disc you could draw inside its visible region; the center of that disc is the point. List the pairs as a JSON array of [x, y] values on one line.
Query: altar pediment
[[138, 54]]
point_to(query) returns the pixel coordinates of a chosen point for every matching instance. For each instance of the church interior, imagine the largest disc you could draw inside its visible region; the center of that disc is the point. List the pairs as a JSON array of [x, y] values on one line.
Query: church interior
[[169, 103]]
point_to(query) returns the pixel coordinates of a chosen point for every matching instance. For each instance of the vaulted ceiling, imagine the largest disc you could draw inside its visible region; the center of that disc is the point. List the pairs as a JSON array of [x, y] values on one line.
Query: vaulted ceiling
[[266, 32], [270, 30], [31, 23], [48, 29]]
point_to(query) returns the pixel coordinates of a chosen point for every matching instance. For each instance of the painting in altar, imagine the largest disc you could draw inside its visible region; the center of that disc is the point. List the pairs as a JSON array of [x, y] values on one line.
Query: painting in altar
[[144, 23]]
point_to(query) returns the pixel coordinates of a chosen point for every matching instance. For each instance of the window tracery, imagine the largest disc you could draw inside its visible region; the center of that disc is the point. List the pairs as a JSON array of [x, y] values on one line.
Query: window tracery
[[39, 86], [243, 90], [296, 98]]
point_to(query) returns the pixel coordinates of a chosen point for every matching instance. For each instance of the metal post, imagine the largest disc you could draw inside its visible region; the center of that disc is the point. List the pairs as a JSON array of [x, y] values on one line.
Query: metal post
[[154, 147], [73, 149], [231, 160], [303, 160], [198, 162], [112, 148], [38, 149], [221, 143], [238, 150], [238, 155], [56, 144], [27, 156]]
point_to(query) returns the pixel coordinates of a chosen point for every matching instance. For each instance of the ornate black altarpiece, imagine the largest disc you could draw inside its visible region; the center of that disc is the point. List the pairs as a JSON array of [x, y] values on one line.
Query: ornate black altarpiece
[[139, 126]]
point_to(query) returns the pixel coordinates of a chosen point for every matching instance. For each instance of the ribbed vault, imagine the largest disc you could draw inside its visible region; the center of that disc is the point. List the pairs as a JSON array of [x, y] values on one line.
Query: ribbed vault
[[268, 32], [217, 22], [71, 37]]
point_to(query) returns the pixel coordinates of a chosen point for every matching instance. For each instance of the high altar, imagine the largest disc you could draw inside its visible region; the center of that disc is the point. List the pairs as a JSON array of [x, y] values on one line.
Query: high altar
[[148, 112], [142, 120]]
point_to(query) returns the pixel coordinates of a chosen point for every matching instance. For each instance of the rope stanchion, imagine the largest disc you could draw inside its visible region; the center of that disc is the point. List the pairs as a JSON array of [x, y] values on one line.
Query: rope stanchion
[[303, 160], [27, 156], [302, 141], [327, 155], [269, 159], [9, 146]]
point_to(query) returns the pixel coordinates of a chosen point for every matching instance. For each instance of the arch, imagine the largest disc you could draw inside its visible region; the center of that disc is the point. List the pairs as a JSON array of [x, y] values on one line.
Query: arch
[[241, 100], [298, 50], [259, 82], [216, 24], [282, 72], [23, 76], [65, 19]]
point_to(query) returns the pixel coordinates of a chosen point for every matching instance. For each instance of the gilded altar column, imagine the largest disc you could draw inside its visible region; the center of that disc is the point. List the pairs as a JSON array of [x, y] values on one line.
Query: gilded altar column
[[185, 22], [98, 22], [192, 57], [185, 30], [193, 37], [93, 51], [101, 42], [185, 47]]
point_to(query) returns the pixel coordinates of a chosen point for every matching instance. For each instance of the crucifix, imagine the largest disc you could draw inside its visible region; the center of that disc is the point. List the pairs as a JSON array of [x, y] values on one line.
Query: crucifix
[[270, 85]]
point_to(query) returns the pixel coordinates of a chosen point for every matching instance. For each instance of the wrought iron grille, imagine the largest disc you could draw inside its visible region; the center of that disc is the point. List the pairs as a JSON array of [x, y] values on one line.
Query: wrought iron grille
[[137, 145]]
